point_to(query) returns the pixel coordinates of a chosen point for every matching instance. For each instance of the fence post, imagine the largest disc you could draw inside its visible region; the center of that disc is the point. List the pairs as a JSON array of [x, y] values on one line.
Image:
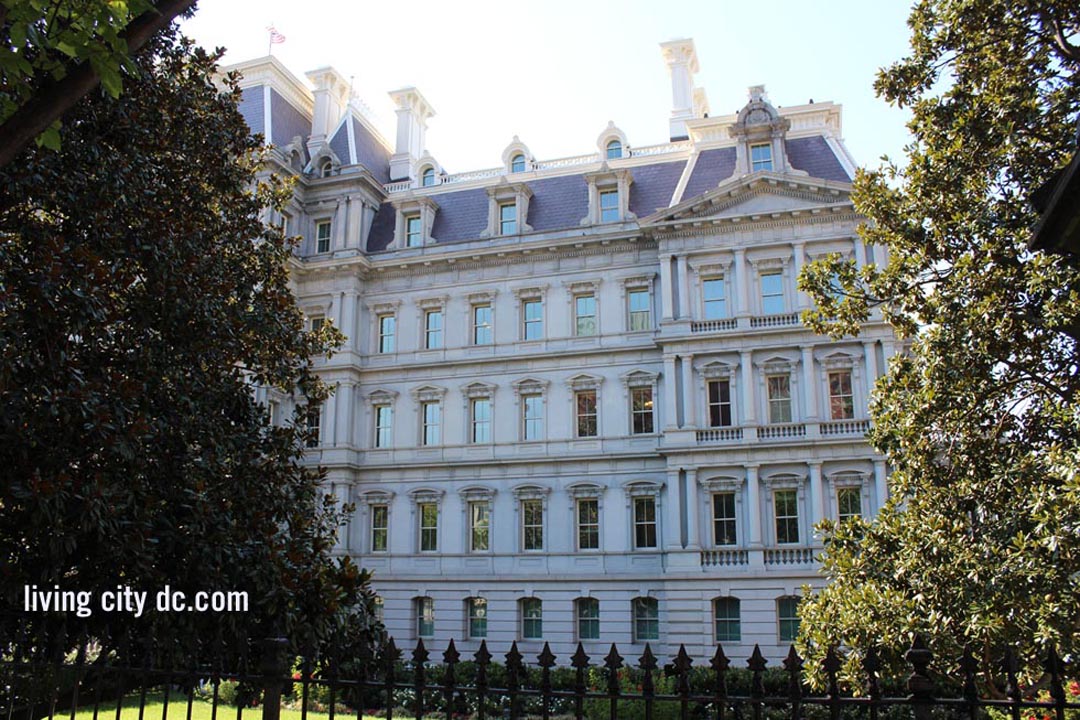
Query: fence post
[[919, 683], [273, 668]]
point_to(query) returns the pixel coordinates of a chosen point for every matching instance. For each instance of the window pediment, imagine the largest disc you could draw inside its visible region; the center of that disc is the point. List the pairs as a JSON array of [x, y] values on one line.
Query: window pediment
[[432, 303], [382, 397], [718, 370], [376, 497], [639, 378], [530, 386], [428, 393], [531, 292], [478, 390], [784, 481], [838, 361], [427, 495], [585, 490], [531, 492], [477, 493], [584, 382], [383, 308], [721, 483], [643, 489]]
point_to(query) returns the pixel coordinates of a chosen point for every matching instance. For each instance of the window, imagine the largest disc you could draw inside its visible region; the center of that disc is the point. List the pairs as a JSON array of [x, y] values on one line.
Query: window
[[414, 233], [387, 327], [322, 236], [641, 410], [646, 619], [482, 334], [787, 616], [284, 224], [480, 410], [532, 312], [786, 508], [532, 524], [313, 418], [380, 608], [609, 206], [327, 168], [779, 393], [585, 413], [433, 329], [614, 150], [432, 414], [479, 526], [384, 425], [317, 322], [429, 526], [380, 524], [640, 311], [841, 399], [532, 417], [712, 289], [719, 403], [508, 219], [588, 618], [723, 513], [761, 157], [273, 411], [427, 179], [584, 315], [848, 503], [425, 617], [588, 524], [477, 610], [726, 620], [532, 619], [517, 163], [772, 293], [644, 522]]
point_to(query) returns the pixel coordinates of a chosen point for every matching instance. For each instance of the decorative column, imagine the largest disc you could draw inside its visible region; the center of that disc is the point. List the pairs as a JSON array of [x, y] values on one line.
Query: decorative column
[[671, 537], [810, 412], [742, 304], [689, 416], [684, 288], [328, 434], [754, 504], [817, 504], [802, 301], [670, 407], [666, 288], [870, 354], [348, 319], [881, 483], [860, 252], [343, 408], [693, 540], [746, 381]]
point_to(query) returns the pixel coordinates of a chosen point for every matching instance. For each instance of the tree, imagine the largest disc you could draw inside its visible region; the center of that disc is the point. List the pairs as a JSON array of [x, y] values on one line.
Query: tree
[[980, 542], [53, 53], [141, 298]]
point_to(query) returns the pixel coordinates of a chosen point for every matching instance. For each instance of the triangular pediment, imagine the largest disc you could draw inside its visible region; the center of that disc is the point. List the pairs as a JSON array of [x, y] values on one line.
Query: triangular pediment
[[757, 197]]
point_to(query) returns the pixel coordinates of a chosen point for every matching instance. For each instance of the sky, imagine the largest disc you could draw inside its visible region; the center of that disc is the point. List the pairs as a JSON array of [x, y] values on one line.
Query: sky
[[555, 72]]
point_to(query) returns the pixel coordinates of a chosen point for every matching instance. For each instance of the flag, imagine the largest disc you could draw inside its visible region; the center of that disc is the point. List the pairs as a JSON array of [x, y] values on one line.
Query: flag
[[275, 36]]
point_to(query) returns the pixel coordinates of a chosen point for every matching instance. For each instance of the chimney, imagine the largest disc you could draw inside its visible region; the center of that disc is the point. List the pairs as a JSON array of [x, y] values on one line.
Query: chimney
[[686, 102], [413, 112], [330, 100]]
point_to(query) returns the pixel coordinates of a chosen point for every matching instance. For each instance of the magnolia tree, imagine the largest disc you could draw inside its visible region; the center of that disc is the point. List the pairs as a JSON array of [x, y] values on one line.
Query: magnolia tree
[[980, 542]]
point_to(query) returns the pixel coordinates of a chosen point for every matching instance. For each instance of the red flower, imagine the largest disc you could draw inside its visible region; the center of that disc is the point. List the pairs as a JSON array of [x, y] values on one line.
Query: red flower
[[296, 676], [1074, 688]]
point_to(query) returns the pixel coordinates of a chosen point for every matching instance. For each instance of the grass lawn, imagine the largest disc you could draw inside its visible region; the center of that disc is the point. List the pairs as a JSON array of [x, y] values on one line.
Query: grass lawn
[[177, 710]]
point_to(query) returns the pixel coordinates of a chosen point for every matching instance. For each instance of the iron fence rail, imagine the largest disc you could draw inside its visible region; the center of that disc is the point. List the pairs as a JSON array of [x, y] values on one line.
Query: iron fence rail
[[32, 689]]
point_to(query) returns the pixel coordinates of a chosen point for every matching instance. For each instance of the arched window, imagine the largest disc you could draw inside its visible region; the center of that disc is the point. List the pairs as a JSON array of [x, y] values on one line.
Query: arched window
[[517, 163], [427, 178], [614, 150], [726, 619], [326, 168]]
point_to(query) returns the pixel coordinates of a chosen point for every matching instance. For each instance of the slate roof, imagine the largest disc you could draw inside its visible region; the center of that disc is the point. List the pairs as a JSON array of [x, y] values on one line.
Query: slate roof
[[711, 167], [461, 216], [382, 228], [286, 121], [251, 107], [814, 155], [653, 186], [370, 153]]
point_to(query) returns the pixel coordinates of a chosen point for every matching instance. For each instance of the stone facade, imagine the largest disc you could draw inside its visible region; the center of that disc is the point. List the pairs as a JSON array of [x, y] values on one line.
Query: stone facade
[[576, 401]]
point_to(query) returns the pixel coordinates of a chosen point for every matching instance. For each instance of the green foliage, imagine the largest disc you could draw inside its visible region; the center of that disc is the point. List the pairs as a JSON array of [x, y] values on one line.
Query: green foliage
[[141, 296], [980, 542]]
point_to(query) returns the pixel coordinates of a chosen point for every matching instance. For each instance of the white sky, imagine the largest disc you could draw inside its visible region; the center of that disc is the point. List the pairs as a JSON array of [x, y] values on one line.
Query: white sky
[[554, 72]]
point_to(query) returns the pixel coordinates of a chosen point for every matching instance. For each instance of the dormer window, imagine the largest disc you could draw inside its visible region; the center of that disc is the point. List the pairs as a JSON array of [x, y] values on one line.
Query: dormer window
[[414, 234], [609, 193], [415, 216], [614, 150], [517, 163], [761, 157], [609, 206], [508, 219], [427, 178], [508, 208], [326, 168]]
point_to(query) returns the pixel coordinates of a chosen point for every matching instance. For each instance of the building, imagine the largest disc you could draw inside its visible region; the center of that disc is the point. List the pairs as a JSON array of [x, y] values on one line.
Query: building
[[576, 401]]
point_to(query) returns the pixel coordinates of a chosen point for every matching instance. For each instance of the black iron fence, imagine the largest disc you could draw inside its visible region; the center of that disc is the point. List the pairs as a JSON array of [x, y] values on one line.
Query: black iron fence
[[89, 683]]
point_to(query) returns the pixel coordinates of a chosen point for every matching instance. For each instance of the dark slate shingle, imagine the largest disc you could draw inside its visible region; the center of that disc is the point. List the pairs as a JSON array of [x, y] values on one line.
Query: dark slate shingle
[[559, 202], [653, 187], [712, 168], [286, 121], [371, 153], [382, 228], [814, 155], [251, 107], [461, 216], [339, 143]]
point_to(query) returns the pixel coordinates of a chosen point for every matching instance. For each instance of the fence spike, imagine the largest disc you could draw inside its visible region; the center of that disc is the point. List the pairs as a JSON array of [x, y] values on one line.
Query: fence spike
[[613, 662], [969, 666], [579, 659], [420, 653], [680, 668], [546, 658], [580, 662], [1057, 690], [793, 664], [757, 663], [451, 655], [1012, 687], [483, 659]]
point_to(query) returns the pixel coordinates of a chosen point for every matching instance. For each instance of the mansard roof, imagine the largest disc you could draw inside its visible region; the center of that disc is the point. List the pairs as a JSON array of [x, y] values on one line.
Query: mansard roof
[[362, 148]]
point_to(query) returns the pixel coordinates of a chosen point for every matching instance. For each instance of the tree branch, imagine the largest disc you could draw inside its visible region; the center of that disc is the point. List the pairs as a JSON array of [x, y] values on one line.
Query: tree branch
[[1067, 49], [55, 98]]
